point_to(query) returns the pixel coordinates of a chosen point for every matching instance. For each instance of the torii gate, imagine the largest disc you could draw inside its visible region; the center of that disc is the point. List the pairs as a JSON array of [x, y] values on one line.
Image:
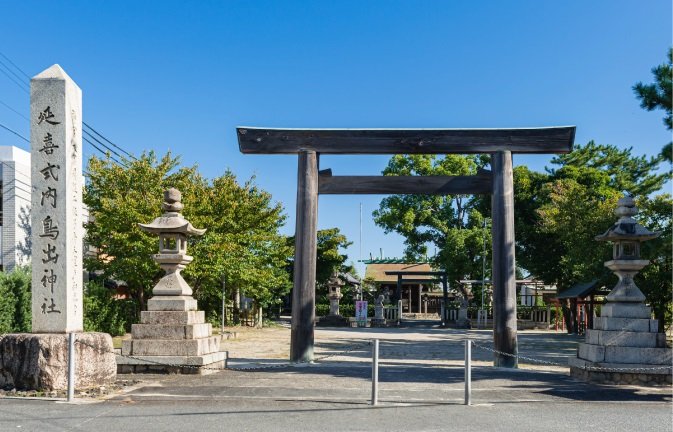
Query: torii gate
[[308, 144]]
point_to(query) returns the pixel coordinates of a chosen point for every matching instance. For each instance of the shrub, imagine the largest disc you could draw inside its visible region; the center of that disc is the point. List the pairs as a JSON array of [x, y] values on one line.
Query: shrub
[[15, 300], [346, 310], [104, 313]]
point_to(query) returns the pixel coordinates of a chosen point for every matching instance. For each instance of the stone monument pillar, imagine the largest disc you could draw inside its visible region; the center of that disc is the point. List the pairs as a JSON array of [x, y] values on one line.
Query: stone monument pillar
[[172, 335], [624, 347], [57, 249]]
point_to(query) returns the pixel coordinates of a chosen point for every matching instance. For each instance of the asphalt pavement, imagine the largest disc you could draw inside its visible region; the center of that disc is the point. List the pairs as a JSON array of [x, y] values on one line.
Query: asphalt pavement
[[421, 388]]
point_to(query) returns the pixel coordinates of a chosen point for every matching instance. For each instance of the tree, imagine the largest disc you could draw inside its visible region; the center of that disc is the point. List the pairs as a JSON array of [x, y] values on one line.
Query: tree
[[329, 258], [658, 96], [120, 197], [559, 213], [625, 172], [655, 279], [241, 242], [452, 223]]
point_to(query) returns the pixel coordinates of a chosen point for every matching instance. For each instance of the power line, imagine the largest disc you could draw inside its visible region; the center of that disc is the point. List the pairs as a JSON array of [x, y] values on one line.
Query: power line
[[11, 71], [18, 68], [103, 144], [113, 144], [12, 79], [15, 111], [103, 152], [15, 133], [25, 87]]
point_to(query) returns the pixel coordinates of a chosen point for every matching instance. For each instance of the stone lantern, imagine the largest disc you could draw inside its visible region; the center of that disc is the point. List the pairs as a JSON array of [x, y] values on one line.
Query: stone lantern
[[334, 318], [626, 235], [334, 285], [172, 335], [624, 346], [173, 231]]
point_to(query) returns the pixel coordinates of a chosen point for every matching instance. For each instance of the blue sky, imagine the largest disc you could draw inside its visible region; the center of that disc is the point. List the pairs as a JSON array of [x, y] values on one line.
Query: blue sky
[[182, 75]]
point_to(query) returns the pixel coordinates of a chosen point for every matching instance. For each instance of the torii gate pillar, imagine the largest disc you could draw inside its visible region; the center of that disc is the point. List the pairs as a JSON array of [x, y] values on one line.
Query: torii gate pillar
[[306, 235], [504, 267]]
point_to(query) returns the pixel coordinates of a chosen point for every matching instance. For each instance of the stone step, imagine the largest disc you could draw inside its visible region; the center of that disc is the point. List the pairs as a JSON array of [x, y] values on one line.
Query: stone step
[[618, 354], [164, 331], [625, 338], [626, 310], [201, 360], [172, 303], [630, 367], [172, 317], [626, 324], [167, 347]]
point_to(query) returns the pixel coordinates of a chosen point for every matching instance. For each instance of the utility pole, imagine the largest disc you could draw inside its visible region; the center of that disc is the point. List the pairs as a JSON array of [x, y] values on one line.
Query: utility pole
[[361, 287]]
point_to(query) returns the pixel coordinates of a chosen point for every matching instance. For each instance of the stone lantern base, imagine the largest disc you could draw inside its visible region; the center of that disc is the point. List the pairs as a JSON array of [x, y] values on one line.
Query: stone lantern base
[[172, 337], [623, 348]]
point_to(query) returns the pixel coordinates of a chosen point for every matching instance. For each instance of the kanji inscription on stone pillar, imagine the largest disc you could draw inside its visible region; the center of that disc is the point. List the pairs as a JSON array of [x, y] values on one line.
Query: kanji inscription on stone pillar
[[56, 205]]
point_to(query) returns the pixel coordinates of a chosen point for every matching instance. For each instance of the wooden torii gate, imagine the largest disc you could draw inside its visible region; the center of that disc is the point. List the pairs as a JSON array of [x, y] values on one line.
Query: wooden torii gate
[[308, 144]]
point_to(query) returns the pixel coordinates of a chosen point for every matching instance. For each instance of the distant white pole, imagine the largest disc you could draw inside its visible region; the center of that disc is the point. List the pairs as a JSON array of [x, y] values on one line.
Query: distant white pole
[[483, 268], [360, 232], [71, 366], [361, 287]]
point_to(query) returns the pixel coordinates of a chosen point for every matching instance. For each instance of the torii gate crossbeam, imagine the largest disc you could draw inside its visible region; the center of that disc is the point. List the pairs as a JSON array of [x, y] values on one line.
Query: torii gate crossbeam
[[500, 143]]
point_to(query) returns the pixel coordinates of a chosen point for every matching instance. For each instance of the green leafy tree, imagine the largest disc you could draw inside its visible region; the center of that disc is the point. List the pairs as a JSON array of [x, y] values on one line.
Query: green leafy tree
[[241, 243], [453, 223], [625, 172], [658, 96], [559, 213], [330, 243], [118, 198], [655, 279]]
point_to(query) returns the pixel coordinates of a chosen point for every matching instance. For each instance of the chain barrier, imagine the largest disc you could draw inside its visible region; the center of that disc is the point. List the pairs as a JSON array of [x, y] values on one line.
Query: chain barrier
[[260, 366], [350, 348], [587, 368]]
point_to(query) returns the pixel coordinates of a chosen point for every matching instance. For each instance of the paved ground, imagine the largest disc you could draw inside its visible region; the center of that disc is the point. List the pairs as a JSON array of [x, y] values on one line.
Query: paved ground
[[421, 389]]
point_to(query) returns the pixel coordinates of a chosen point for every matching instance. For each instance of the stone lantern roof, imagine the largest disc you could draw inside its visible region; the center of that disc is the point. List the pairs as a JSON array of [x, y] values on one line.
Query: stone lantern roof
[[626, 228], [171, 221]]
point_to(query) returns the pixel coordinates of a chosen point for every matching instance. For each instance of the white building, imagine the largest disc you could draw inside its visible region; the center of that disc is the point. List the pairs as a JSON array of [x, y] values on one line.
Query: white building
[[15, 207], [15, 185]]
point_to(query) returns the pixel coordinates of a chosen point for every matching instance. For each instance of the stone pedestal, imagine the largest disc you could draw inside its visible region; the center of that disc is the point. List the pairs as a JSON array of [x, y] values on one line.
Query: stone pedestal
[[172, 337], [623, 348], [379, 320], [463, 321], [40, 361]]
